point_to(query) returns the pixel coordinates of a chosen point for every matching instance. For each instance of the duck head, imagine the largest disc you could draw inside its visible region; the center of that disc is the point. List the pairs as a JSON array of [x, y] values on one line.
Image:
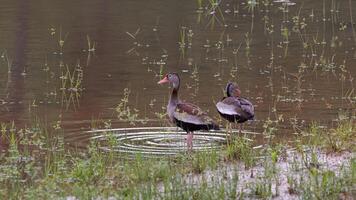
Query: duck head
[[232, 90], [172, 78]]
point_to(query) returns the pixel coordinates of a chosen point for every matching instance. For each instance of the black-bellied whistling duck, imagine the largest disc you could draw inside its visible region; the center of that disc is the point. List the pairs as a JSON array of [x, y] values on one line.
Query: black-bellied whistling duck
[[235, 108], [185, 115]]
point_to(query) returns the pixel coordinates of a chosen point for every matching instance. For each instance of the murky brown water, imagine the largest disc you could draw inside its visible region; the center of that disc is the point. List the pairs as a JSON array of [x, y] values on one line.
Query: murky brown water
[[136, 41]]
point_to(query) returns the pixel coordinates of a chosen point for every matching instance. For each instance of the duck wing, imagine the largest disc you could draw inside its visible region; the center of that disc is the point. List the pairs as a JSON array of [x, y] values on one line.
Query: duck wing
[[236, 106], [229, 106], [247, 106], [190, 113]]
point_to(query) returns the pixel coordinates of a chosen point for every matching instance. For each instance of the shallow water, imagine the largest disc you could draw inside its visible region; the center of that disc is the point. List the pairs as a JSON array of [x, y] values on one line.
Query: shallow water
[[156, 140], [137, 42]]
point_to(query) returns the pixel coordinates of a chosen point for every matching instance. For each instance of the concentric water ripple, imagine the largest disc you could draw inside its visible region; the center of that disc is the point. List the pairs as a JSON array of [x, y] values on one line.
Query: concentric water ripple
[[156, 140]]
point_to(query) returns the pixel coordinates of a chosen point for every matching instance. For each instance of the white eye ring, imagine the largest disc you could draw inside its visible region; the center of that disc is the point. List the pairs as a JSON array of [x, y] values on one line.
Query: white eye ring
[[169, 75]]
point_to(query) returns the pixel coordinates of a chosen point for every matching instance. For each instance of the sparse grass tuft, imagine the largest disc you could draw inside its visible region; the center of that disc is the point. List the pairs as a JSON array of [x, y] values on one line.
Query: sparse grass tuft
[[203, 160], [336, 139], [124, 111], [342, 137], [240, 148]]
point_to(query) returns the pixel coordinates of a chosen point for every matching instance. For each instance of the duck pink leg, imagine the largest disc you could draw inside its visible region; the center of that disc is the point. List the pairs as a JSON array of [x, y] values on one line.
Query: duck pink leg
[[190, 141]]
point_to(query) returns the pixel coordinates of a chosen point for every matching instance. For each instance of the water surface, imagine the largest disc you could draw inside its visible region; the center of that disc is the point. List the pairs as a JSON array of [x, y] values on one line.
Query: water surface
[[295, 62]]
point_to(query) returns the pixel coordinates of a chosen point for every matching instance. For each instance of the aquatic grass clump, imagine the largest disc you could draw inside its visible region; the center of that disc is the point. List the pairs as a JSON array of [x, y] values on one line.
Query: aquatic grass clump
[[342, 137], [203, 160], [17, 166], [89, 170], [241, 148], [327, 184], [124, 112], [71, 85], [10, 171], [267, 179], [315, 132], [262, 189], [138, 172], [336, 139]]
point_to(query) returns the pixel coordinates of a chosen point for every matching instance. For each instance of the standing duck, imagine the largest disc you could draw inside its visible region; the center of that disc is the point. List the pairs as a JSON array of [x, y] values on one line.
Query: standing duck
[[185, 115], [235, 108]]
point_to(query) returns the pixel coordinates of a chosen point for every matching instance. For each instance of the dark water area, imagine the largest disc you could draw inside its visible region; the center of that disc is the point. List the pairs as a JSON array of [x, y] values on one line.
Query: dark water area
[[295, 61]]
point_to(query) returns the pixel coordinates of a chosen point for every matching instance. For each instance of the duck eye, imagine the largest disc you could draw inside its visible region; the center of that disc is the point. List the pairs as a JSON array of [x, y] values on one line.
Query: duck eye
[[169, 76]]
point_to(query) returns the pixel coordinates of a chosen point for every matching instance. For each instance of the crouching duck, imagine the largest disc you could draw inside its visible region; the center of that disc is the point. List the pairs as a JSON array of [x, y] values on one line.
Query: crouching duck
[[185, 115], [234, 108]]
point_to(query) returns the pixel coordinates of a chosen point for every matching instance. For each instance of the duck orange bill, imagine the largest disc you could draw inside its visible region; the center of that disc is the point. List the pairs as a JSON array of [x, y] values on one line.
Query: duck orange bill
[[164, 80]]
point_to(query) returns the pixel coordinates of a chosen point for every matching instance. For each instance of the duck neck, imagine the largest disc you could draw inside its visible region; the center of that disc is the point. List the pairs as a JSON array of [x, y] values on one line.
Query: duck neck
[[228, 93], [228, 90], [172, 104], [174, 97]]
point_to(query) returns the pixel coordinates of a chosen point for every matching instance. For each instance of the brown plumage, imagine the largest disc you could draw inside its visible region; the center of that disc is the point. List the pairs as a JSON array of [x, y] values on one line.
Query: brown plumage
[[185, 115], [191, 118], [235, 108]]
